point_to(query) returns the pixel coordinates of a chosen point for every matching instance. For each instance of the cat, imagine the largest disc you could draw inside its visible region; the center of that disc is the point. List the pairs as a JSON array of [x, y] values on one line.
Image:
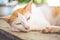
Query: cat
[[19, 18], [31, 17]]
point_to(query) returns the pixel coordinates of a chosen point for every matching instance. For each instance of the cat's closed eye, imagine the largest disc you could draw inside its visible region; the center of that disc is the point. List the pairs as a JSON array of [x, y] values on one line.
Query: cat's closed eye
[[28, 18], [18, 23]]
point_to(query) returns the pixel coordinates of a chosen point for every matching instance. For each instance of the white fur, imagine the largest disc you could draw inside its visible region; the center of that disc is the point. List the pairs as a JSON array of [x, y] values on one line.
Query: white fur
[[38, 20]]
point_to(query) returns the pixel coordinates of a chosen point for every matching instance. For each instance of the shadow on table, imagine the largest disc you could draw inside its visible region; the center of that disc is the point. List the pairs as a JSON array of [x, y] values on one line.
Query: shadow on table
[[51, 32], [7, 36]]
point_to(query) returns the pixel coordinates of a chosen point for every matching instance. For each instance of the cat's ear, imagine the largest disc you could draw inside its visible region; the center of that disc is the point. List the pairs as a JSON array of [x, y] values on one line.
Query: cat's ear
[[28, 7]]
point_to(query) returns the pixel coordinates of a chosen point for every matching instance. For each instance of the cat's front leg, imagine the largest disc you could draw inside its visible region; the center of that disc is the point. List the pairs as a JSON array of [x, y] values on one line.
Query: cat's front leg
[[47, 29], [52, 29]]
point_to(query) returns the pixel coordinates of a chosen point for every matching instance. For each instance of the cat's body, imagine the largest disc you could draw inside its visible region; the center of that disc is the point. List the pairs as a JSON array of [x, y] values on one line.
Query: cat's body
[[40, 17], [44, 16]]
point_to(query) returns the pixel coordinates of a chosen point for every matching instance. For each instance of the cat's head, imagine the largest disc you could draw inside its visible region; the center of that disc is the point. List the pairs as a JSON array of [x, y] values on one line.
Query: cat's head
[[21, 16]]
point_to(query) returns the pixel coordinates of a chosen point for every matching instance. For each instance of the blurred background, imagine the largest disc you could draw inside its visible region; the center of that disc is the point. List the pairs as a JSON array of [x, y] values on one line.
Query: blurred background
[[6, 6]]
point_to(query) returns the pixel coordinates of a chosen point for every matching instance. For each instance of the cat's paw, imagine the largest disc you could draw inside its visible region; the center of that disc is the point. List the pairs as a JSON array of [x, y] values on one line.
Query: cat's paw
[[47, 30]]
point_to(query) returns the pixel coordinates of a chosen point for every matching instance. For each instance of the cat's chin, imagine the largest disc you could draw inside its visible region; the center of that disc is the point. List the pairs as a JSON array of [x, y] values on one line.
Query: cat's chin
[[24, 30]]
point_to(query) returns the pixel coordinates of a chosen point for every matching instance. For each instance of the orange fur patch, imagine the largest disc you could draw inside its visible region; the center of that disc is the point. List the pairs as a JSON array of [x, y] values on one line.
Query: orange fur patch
[[55, 11]]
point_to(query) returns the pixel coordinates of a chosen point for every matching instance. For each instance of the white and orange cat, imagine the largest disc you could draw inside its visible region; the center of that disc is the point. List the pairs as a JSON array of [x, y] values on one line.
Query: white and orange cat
[[31, 17]]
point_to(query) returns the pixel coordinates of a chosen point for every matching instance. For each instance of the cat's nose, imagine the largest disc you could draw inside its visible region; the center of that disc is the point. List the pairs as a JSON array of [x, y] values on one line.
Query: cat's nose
[[27, 28]]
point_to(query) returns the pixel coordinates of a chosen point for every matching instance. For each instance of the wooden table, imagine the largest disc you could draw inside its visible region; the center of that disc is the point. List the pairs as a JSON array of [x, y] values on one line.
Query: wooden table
[[30, 35]]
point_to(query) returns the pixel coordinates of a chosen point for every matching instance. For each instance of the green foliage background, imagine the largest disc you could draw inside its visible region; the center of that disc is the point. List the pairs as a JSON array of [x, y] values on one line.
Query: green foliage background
[[34, 1], [23, 1]]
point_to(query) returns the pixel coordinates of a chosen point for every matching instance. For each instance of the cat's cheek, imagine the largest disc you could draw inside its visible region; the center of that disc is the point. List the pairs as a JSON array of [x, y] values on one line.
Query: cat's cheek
[[19, 28], [14, 29]]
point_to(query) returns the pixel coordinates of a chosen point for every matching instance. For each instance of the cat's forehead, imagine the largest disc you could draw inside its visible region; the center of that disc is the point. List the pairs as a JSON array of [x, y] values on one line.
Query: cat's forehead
[[26, 14], [23, 17], [22, 11]]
